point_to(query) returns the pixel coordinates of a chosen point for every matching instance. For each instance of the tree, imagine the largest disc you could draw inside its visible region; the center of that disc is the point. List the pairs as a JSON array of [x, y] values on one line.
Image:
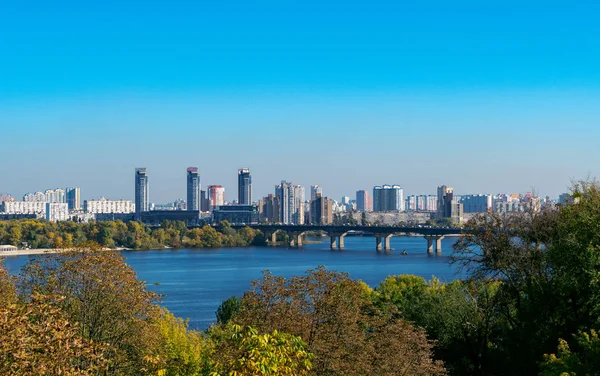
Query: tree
[[341, 325], [243, 351], [228, 309], [38, 339], [363, 218], [101, 292], [584, 361]]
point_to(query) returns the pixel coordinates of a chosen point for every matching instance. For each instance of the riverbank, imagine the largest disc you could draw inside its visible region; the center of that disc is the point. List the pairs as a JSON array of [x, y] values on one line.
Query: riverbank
[[47, 251]]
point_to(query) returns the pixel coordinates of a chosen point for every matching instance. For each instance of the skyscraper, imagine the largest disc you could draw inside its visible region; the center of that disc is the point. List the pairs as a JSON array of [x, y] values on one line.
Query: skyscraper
[[141, 192], [448, 206], [314, 191], [216, 196], [74, 198], [364, 202], [285, 195], [244, 187], [388, 198], [193, 189]]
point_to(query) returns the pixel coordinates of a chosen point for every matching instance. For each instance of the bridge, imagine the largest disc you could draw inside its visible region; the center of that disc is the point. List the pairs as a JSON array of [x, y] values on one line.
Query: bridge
[[382, 234]]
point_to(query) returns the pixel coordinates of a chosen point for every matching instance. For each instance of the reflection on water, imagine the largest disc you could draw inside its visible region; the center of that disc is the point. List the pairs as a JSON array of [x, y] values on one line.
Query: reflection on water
[[195, 282]]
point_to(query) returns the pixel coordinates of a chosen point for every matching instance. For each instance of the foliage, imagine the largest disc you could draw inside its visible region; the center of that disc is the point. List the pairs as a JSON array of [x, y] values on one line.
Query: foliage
[[102, 294], [584, 361], [228, 309], [340, 323], [38, 339], [134, 235], [243, 351]]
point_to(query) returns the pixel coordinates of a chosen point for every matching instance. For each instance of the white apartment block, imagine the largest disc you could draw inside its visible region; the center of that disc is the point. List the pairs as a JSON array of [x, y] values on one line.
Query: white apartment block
[[103, 205], [50, 195], [57, 211], [23, 207]]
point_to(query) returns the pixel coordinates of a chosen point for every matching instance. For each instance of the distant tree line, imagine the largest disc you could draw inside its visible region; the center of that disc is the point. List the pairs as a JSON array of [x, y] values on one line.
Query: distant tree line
[[133, 235]]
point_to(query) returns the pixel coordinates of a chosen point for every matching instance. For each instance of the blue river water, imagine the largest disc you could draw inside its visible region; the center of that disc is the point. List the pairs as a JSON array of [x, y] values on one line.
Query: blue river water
[[195, 282]]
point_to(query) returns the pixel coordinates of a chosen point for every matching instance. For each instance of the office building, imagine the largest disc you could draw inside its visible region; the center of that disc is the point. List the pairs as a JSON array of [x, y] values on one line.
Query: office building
[[268, 209], [244, 187], [364, 201], [73, 197], [236, 214], [314, 191], [57, 211], [24, 207], [321, 211], [141, 192], [193, 189], [476, 203], [156, 217], [216, 196], [102, 205], [388, 198]]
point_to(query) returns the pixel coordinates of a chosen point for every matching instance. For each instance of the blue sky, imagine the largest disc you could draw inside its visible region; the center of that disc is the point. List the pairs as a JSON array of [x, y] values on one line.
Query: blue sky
[[483, 96]]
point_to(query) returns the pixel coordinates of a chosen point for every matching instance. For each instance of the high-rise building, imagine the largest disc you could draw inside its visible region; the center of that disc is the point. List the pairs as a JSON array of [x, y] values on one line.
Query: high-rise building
[[73, 198], [299, 198], [388, 198], [321, 211], [204, 205], [285, 195], [314, 191], [23, 207], [268, 209], [216, 196], [364, 202], [244, 187], [57, 211], [50, 195], [6, 197], [193, 189], [448, 205], [141, 192]]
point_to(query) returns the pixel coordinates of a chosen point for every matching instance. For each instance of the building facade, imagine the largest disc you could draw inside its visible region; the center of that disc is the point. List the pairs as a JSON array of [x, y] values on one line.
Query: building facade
[[476, 203], [73, 196], [102, 205], [364, 201], [314, 191], [321, 211], [6, 197], [24, 207], [268, 209], [57, 211], [244, 187], [236, 214], [216, 196], [388, 198], [448, 205], [141, 192], [193, 189]]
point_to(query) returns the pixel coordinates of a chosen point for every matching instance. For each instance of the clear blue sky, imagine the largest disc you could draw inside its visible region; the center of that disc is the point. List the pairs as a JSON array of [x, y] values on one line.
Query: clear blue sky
[[483, 96]]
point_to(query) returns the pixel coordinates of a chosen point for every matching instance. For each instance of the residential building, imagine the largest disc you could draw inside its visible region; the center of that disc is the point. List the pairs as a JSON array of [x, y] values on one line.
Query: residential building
[[193, 189], [285, 196], [141, 192], [50, 195], [102, 205], [388, 198], [6, 197], [476, 203], [57, 211], [448, 205], [364, 202], [268, 209], [298, 216], [204, 206], [24, 207], [216, 196], [314, 191], [244, 187], [321, 211], [73, 197]]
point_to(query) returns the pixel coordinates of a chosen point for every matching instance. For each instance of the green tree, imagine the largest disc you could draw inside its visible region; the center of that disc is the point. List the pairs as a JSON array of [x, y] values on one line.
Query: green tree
[[228, 309], [585, 360]]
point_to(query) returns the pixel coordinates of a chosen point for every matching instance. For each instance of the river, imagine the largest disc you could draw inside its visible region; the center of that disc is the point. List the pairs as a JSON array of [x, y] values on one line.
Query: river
[[195, 282]]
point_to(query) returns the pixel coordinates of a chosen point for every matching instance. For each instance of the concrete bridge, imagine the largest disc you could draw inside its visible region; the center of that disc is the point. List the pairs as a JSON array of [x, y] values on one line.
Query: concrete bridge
[[382, 234]]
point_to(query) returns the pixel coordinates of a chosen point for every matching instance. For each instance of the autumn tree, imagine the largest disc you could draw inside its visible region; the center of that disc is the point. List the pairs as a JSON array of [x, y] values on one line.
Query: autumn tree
[[340, 324]]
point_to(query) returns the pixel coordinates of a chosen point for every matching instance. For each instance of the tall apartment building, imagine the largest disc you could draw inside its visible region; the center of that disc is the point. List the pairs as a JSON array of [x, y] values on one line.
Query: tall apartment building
[[321, 211], [73, 197], [193, 189], [102, 205], [426, 203], [6, 197], [268, 209], [299, 198], [216, 196], [388, 198], [50, 195], [141, 192], [314, 191], [244, 187], [286, 194], [364, 202], [448, 206], [57, 211]]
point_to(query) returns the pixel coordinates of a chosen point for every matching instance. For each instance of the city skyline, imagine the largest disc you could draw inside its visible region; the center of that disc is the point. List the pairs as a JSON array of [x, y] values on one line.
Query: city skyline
[[485, 98]]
